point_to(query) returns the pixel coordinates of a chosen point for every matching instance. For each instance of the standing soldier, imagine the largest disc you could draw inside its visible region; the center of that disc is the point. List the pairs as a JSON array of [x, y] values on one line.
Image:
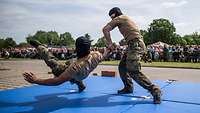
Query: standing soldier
[[130, 66]]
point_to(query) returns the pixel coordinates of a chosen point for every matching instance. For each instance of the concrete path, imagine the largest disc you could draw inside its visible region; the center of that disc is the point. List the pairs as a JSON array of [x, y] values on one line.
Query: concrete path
[[11, 72]]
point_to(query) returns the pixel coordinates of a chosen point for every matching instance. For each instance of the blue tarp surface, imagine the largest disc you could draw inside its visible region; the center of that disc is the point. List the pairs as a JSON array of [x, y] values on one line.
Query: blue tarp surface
[[100, 97]]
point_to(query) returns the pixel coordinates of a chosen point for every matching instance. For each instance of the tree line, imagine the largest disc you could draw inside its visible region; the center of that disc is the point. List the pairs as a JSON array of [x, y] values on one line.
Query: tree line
[[163, 30], [159, 30]]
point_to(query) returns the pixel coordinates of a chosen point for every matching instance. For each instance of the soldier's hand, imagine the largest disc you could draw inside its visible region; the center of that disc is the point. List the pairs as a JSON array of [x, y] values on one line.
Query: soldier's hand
[[112, 46], [30, 77]]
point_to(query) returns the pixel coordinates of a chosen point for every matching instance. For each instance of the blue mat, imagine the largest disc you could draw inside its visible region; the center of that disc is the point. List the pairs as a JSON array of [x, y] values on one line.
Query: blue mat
[[100, 97]]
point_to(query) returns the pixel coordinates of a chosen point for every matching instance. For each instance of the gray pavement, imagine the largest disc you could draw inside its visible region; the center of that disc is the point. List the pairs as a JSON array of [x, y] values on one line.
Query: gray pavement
[[11, 72]]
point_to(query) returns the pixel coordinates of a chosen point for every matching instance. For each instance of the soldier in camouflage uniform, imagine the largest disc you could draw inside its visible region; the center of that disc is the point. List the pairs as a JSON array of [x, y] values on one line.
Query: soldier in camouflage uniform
[[86, 62], [51, 61], [130, 67]]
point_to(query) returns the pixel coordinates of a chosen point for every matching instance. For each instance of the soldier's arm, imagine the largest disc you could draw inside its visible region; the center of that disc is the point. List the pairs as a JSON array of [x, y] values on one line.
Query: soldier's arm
[[109, 27], [106, 32], [31, 78]]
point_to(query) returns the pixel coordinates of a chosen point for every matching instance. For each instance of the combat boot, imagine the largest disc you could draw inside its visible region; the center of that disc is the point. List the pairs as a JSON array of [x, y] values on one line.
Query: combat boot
[[156, 93], [125, 90], [80, 85]]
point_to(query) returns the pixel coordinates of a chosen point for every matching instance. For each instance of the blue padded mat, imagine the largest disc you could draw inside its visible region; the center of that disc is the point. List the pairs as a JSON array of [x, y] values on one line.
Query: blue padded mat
[[183, 93], [165, 107], [100, 97]]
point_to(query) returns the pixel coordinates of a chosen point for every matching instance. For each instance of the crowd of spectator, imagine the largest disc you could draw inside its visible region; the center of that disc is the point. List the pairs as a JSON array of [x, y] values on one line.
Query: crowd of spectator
[[60, 53], [154, 53], [18, 53], [174, 53]]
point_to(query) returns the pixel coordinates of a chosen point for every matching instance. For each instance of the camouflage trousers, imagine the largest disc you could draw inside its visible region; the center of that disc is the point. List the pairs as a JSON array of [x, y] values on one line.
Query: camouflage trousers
[[51, 61], [130, 67]]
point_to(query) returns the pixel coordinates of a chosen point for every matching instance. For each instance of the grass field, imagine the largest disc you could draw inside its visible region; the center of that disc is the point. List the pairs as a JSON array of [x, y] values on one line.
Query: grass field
[[161, 64], [153, 64]]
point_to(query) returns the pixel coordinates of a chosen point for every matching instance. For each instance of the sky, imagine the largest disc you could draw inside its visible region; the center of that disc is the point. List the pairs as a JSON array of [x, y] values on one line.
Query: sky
[[19, 18]]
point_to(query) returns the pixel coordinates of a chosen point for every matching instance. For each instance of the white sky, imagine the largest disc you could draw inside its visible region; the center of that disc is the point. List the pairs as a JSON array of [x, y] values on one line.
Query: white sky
[[18, 18]]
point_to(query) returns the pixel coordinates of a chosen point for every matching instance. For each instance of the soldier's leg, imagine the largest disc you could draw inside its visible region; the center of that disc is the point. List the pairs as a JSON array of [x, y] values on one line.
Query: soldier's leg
[[126, 79], [142, 80], [135, 48], [48, 57], [50, 60]]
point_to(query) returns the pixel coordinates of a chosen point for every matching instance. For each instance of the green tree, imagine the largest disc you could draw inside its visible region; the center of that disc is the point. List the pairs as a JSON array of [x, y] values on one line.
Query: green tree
[[49, 38], [41, 36], [9, 43], [189, 39], [183, 41], [2, 43], [177, 39], [100, 42], [196, 38], [197, 41], [146, 37], [67, 40], [161, 30], [28, 38], [23, 44], [53, 38]]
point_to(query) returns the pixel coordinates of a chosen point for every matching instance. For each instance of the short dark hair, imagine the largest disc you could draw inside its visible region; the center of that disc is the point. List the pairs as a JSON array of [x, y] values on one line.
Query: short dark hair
[[116, 11]]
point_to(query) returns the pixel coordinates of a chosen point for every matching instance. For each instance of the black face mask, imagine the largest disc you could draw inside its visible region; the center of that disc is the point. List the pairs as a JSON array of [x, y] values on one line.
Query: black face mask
[[115, 11]]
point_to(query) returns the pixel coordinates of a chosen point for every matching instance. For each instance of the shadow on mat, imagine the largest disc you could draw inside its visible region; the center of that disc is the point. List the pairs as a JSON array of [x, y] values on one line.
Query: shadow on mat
[[56, 101]]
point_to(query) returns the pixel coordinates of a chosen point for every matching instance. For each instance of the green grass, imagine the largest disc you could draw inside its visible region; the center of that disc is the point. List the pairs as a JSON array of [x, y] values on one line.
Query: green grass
[[153, 64], [161, 64]]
